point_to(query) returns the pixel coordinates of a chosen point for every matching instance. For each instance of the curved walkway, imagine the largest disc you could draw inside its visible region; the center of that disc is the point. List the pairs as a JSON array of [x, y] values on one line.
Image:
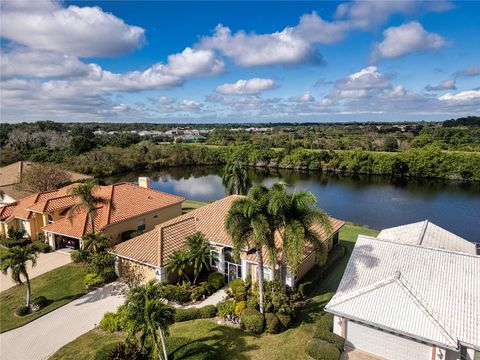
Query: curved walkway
[[45, 263], [42, 337]]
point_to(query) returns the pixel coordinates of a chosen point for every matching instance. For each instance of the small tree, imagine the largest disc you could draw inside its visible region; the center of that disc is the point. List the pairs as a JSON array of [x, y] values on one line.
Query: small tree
[[95, 242], [179, 262], [199, 251], [148, 316], [235, 179], [16, 260], [39, 177]]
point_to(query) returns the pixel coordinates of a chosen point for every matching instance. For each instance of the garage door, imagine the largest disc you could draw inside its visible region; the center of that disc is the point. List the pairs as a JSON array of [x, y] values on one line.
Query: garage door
[[384, 344]]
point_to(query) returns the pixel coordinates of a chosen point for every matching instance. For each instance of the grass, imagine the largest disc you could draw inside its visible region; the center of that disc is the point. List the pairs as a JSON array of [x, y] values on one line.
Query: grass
[[189, 205], [59, 286], [231, 343]]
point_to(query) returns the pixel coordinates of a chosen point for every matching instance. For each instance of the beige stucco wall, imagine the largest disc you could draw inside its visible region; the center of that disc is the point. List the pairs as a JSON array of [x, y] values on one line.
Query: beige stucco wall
[[124, 265], [115, 231], [306, 265]]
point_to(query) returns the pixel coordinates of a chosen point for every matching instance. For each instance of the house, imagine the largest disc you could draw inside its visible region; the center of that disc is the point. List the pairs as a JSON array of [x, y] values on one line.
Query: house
[[127, 208], [11, 181], [149, 253], [413, 292]]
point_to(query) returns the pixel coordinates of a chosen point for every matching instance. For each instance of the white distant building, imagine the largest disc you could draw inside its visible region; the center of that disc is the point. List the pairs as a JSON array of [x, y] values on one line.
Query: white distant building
[[411, 293]]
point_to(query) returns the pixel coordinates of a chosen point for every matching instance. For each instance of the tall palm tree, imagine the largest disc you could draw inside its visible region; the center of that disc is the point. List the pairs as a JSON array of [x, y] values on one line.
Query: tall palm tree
[[199, 251], [16, 260], [150, 317], [235, 179], [249, 227], [95, 243], [295, 214], [179, 262], [88, 200]]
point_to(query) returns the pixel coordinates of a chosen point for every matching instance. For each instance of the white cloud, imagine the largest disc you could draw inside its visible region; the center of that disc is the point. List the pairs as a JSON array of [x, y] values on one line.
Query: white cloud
[[462, 96], [79, 31], [314, 30], [448, 84], [306, 97], [246, 87], [165, 100], [407, 38], [360, 83], [194, 63], [189, 105], [40, 63]]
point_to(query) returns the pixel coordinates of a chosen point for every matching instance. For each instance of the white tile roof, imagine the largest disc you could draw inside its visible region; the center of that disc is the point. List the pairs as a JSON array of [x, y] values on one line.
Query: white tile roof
[[427, 234], [428, 294]]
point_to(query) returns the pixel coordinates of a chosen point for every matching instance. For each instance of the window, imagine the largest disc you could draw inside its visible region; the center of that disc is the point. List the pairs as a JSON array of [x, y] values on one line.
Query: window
[[50, 219], [155, 217], [214, 258], [141, 225], [267, 273]]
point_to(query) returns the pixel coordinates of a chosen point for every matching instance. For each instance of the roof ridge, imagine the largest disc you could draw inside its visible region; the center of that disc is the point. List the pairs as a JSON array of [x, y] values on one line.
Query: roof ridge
[[419, 246], [427, 309], [109, 205], [422, 232]]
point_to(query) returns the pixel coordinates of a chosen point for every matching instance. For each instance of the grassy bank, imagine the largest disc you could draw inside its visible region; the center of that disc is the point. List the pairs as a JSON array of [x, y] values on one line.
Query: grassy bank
[[59, 286], [230, 343]]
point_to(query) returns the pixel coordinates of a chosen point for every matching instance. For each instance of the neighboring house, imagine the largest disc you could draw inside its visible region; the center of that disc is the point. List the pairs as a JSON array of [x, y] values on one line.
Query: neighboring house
[[128, 208], [411, 293], [149, 253], [11, 181]]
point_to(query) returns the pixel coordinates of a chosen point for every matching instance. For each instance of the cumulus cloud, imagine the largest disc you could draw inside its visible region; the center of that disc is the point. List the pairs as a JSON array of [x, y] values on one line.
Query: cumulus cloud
[[246, 87], [79, 31], [448, 84], [194, 63], [189, 105], [40, 63], [462, 96], [360, 83], [407, 38], [306, 97]]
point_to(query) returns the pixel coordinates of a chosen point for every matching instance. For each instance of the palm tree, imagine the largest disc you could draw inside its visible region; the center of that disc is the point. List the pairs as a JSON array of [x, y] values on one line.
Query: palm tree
[[95, 243], [88, 201], [295, 214], [148, 316], [179, 262], [199, 251], [248, 225], [235, 179], [16, 260]]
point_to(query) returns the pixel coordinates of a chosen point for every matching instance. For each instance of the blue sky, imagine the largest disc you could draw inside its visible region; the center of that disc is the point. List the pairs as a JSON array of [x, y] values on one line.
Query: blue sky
[[239, 61]]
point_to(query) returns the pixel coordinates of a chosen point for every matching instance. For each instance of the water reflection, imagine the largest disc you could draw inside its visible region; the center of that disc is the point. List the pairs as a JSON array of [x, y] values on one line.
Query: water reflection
[[373, 200]]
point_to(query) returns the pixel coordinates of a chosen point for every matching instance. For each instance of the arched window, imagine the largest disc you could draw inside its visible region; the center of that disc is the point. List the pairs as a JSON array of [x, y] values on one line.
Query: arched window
[[50, 219]]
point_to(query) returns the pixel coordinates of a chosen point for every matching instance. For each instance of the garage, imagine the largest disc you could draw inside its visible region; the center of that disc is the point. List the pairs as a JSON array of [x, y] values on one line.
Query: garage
[[384, 344]]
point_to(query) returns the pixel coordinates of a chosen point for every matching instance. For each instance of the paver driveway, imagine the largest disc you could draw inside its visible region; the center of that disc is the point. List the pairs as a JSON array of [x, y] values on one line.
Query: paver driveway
[[45, 263], [42, 337]]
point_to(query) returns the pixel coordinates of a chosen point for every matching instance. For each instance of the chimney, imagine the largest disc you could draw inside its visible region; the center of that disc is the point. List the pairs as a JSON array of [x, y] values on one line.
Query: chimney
[[144, 181]]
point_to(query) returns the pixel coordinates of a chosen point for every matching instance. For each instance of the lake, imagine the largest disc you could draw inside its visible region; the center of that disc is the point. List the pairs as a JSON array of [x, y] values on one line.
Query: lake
[[376, 201]]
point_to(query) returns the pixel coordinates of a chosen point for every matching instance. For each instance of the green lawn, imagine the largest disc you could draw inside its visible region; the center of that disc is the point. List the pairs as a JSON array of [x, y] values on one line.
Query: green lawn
[[189, 205], [59, 286], [230, 343]]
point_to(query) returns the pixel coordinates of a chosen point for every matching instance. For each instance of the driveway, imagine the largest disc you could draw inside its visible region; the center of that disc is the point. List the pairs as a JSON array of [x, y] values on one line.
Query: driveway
[[356, 354], [45, 263], [41, 338]]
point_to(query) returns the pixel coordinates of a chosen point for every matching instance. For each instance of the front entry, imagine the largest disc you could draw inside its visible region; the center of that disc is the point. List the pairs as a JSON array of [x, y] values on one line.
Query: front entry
[[232, 271]]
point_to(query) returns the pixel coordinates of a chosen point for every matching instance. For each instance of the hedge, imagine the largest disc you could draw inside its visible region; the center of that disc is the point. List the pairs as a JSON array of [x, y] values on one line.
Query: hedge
[[272, 324], [253, 320], [175, 293], [41, 246], [205, 312], [322, 350], [324, 332], [285, 320]]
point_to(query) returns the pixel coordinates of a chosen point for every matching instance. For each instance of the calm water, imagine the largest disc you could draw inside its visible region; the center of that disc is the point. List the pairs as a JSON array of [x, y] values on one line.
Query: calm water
[[376, 201]]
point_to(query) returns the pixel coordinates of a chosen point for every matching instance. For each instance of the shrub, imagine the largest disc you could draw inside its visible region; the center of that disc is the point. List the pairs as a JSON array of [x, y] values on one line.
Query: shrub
[[207, 311], [236, 282], [324, 332], [124, 351], [326, 322], [272, 324], [216, 280], [239, 292], [78, 256], [253, 321], [175, 293], [111, 322], [225, 308], [9, 243], [101, 264], [40, 301], [285, 320], [22, 311], [19, 235], [41, 246], [239, 307], [252, 302], [322, 350], [92, 281]]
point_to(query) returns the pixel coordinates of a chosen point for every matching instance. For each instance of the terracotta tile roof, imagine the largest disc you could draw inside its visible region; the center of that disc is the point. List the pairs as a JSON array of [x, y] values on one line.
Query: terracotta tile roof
[[171, 235], [123, 201]]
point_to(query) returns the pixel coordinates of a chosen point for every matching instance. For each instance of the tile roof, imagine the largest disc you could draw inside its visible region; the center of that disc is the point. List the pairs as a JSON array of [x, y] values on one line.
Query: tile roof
[[425, 293], [425, 233], [171, 235], [124, 200]]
